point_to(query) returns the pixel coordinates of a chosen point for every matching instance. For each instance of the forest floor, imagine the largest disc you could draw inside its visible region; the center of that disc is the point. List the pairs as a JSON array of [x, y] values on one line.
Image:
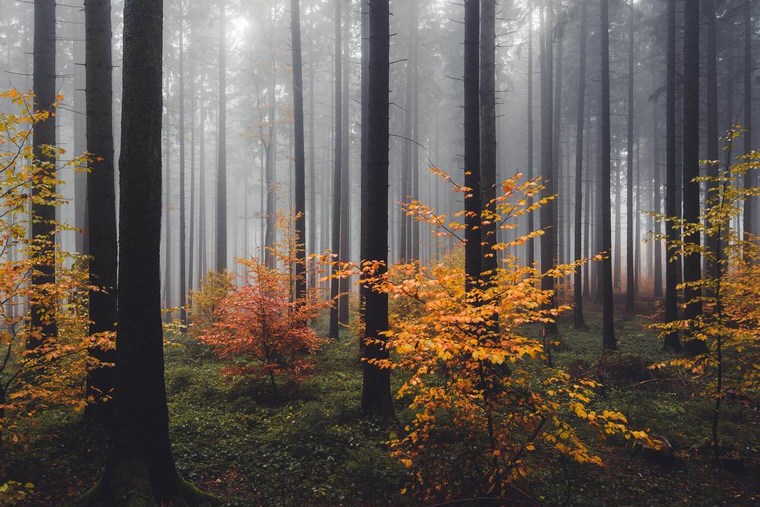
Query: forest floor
[[310, 447]]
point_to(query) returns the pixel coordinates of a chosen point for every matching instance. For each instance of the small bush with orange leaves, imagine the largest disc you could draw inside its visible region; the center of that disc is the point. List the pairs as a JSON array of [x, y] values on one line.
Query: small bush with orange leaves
[[262, 330], [487, 410]]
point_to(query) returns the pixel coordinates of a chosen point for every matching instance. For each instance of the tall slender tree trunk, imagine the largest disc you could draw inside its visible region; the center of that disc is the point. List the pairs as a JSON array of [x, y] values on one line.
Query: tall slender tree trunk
[[530, 246], [376, 389], [365, 226], [101, 201], [300, 155], [672, 341], [657, 208], [488, 145], [202, 246], [44, 134], [140, 468], [579, 133], [345, 199], [692, 263], [472, 202], [548, 216], [221, 168], [191, 260], [713, 147], [182, 210], [337, 173], [609, 341], [630, 263], [749, 63]]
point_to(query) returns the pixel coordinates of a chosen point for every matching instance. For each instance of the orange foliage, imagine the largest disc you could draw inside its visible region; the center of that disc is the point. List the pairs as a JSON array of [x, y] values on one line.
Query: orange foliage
[[52, 374], [486, 406], [262, 330]]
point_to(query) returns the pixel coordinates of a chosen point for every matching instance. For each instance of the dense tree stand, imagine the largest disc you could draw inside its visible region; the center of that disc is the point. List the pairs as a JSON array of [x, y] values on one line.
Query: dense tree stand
[[140, 470]]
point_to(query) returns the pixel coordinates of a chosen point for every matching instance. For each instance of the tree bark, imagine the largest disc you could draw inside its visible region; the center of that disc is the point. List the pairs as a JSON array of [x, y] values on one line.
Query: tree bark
[[548, 215], [609, 341], [630, 264], [692, 263], [579, 133], [488, 145], [376, 389], [182, 211], [672, 341], [221, 169], [749, 203], [101, 200], [44, 134], [337, 173], [530, 246], [140, 469], [299, 150]]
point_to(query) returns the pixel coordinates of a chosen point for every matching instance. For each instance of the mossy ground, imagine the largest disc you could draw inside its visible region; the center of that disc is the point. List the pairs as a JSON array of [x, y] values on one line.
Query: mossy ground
[[310, 447]]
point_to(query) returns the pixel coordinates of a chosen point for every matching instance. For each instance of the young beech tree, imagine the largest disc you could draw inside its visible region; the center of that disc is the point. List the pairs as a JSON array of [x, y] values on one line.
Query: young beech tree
[[727, 326], [485, 406], [262, 329], [52, 373]]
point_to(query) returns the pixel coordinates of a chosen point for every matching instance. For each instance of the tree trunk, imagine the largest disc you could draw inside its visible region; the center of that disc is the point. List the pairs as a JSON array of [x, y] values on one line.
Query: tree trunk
[[579, 132], [376, 389], [530, 257], [609, 342], [630, 263], [692, 263], [44, 134], [337, 176], [345, 204], [221, 169], [300, 155], [749, 203], [488, 147], [713, 147], [101, 199], [182, 218], [657, 208], [140, 467], [672, 341], [364, 153], [549, 238]]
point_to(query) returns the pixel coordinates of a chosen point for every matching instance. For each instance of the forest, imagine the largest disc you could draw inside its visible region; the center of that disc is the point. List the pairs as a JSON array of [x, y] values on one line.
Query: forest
[[379, 252]]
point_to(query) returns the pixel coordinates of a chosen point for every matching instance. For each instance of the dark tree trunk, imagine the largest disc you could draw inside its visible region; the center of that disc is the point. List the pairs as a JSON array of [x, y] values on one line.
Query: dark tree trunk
[[530, 245], [221, 178], [692, 263], [609, 342], [672, 341], [300, 156], [345, 204], [549, 238], [337, 176], [101, 199], [713, 147], [364, 154], [44, 213], [202, 259], [182, 210], [630, 263], [191, 246], [657, 208], [376, 390], [488, 147], [749, 203], [140, 468], [579, 133]]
